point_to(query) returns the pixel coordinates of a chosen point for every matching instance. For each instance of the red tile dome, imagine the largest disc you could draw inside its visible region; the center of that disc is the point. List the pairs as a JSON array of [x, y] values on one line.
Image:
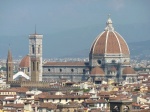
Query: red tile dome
[[128, 70], [109, 42], [97, 71], [24, 62]]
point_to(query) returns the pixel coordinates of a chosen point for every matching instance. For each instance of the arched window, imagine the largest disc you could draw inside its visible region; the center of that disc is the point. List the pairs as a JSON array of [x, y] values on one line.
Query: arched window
[[39, 49], [37, 66], [33, 49]]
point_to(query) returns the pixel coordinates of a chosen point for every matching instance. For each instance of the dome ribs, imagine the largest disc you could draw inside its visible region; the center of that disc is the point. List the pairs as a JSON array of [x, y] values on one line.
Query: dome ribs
[[124, 46], [112, 44], [99, 45]]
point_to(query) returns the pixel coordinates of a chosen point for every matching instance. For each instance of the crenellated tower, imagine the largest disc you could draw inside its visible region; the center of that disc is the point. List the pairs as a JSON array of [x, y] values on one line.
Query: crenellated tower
[[35, 53], [9, 66]]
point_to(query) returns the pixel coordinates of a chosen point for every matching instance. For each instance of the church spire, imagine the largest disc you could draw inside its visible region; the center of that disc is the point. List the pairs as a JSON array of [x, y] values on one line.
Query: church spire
[[109, 26], [9, 56]]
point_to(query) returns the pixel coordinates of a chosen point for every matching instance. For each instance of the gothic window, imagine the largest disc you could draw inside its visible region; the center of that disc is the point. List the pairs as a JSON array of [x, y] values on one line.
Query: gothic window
[[33, 66], [83, 71], [37, 66], [39, 49], [33, 49]]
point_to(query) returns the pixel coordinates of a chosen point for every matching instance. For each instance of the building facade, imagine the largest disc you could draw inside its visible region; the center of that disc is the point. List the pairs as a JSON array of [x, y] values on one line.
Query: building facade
[[109, 56], [35, 53]]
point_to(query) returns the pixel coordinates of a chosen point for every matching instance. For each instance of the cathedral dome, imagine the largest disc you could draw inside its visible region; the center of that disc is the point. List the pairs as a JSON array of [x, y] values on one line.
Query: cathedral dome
[[128, 70], [97, 71], [109, 42], [24, 62]]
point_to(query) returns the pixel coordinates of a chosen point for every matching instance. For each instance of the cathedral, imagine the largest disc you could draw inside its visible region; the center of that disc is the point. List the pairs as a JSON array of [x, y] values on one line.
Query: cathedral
[[109, 59]]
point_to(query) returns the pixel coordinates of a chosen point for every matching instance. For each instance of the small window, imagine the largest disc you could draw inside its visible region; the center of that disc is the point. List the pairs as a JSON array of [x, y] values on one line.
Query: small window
[[99, 61], [39, 49], [33, 49], [72, 70], [60, 70], [28, 69], [83, 70], [113, 61], [49, 69]]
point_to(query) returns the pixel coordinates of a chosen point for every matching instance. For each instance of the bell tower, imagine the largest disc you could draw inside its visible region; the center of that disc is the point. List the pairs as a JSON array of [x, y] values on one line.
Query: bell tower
[[35, 53], [9, 66]]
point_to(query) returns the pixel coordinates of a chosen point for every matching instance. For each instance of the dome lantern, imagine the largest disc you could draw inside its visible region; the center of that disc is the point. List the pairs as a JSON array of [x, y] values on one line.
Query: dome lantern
[[109, 26]]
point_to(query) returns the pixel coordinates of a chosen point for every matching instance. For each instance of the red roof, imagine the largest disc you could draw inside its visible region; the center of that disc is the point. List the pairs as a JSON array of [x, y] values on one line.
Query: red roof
[[24, 62], [97, 71]]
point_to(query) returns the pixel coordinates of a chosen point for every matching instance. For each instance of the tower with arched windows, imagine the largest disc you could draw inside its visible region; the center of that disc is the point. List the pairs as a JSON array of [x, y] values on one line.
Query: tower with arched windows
[[35, 53], [9, 66]]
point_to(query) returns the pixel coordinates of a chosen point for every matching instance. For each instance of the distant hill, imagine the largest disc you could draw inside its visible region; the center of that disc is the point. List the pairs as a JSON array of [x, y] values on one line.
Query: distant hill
[[140, 49]]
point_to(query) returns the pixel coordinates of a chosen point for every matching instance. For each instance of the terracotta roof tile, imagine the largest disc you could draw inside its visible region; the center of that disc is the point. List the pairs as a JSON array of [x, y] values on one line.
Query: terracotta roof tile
[[128, 70], [97, 71], [109, 42], [24, 62]]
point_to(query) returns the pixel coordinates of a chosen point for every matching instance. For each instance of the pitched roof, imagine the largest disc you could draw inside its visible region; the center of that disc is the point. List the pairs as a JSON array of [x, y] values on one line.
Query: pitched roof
[[20, 73]]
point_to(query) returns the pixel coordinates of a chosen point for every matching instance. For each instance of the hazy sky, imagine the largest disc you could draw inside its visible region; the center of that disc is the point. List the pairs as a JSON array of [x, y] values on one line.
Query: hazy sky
[[69, 26]]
